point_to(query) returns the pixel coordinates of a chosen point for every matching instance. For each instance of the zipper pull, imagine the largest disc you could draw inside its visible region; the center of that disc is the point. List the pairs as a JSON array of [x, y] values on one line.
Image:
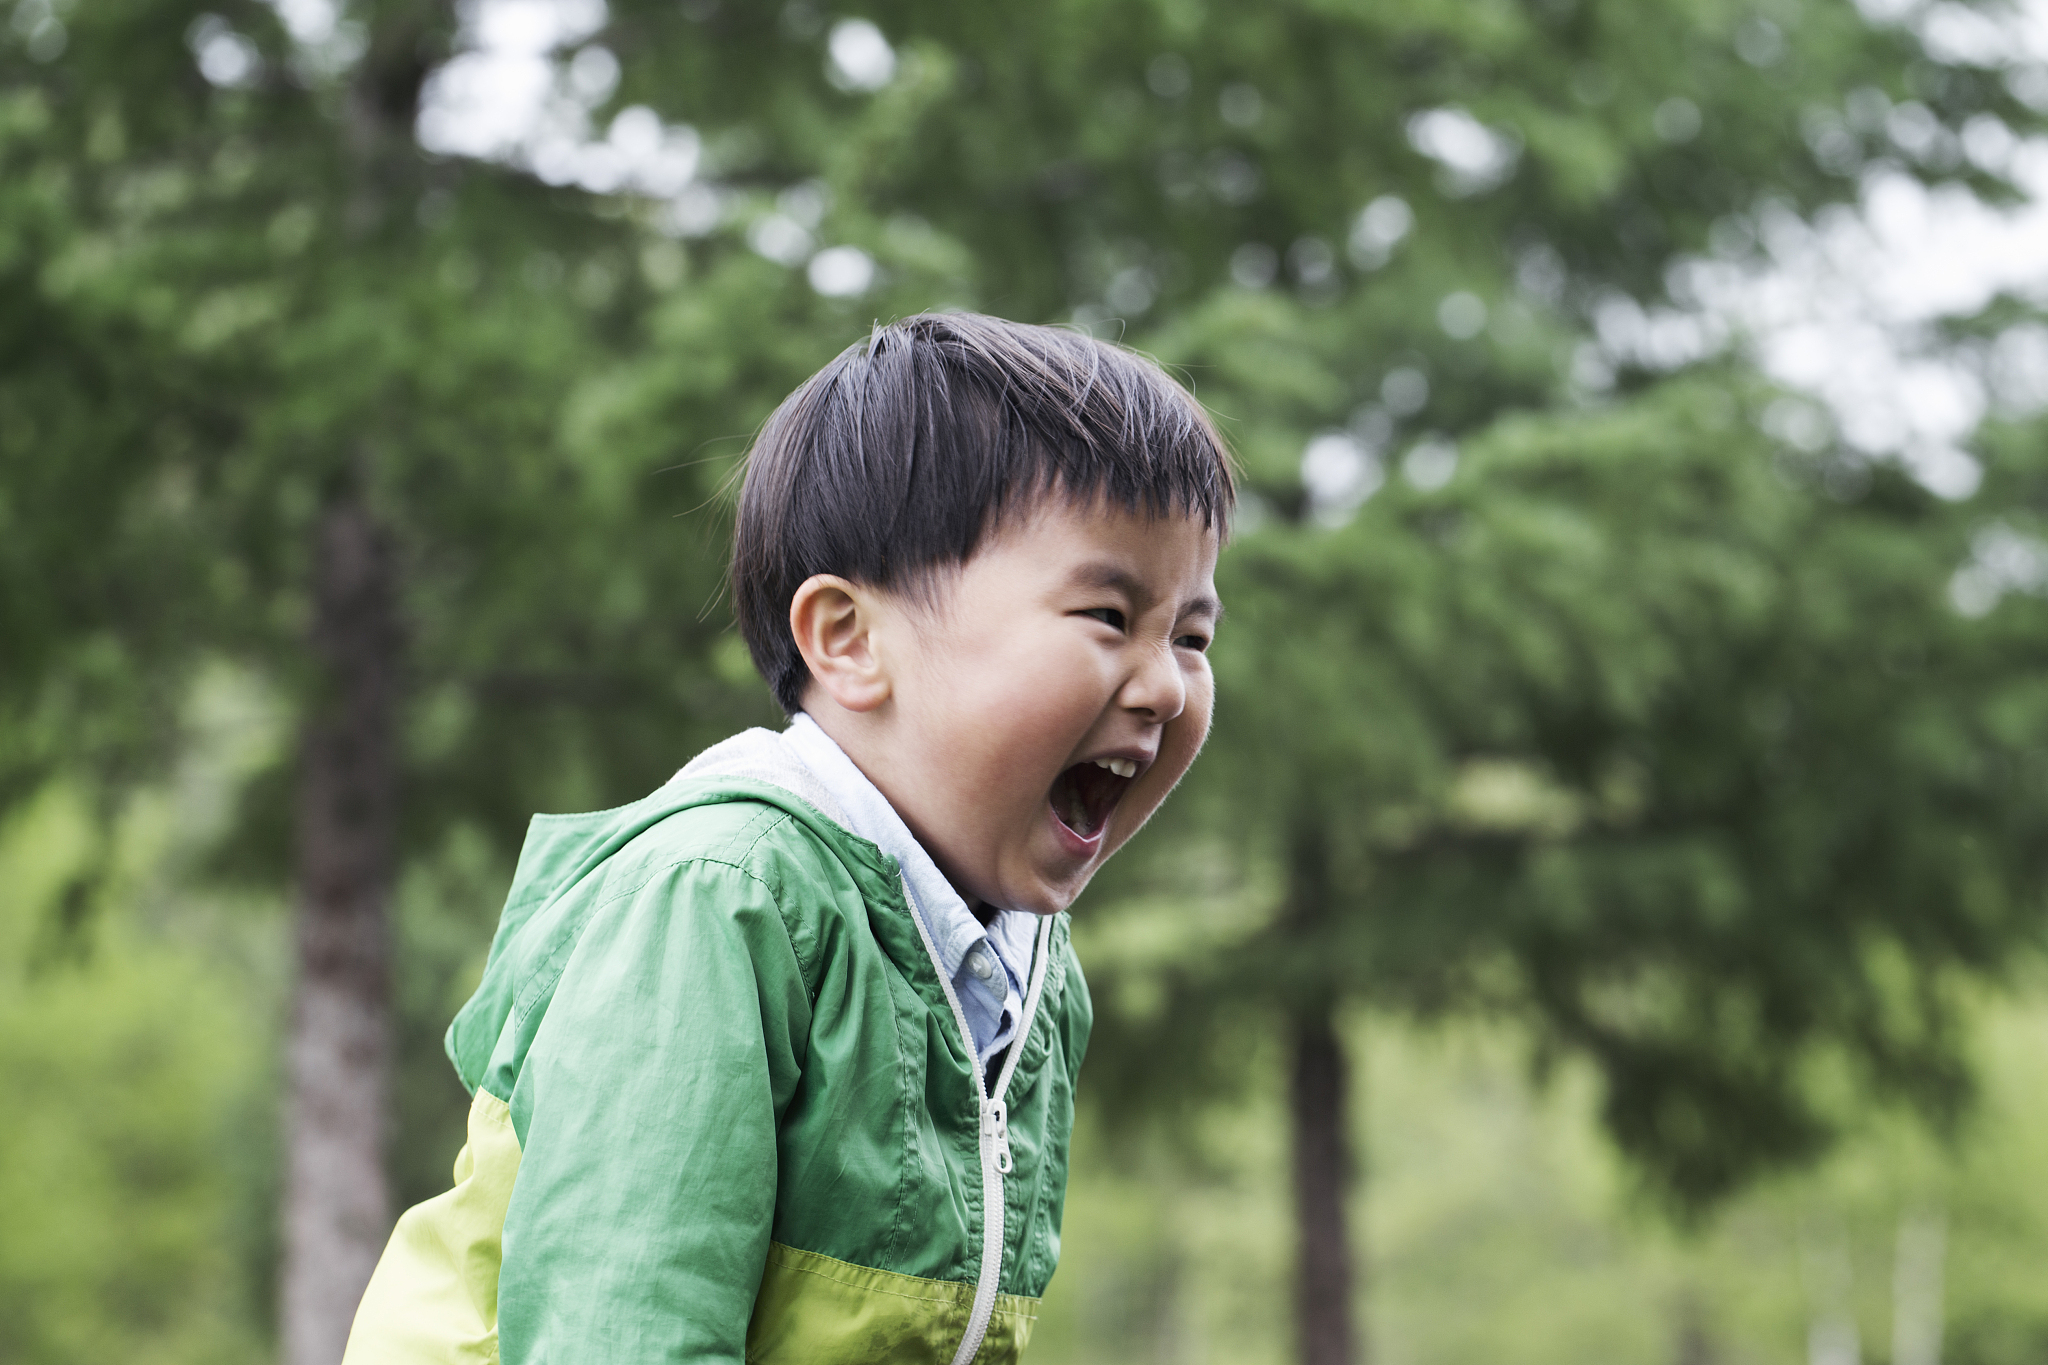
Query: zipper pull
[[995, 1123]]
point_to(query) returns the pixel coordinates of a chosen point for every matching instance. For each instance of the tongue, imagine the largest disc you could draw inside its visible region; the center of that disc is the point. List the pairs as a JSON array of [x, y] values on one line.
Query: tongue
[[1084, 795]]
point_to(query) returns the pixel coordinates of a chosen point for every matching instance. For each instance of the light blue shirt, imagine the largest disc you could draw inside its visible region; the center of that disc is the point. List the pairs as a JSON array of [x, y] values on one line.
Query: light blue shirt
[[988, 965]]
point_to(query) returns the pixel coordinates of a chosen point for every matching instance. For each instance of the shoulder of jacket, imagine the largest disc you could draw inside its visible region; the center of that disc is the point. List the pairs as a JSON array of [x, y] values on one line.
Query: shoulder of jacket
[[759, 839], [715, 831]]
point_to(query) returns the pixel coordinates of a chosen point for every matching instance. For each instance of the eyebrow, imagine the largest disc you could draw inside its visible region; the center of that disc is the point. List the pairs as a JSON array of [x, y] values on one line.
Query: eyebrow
[[1102, 574]]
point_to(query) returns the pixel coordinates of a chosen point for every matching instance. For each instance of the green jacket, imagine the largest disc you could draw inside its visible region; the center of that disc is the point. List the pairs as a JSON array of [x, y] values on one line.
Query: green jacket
[[726, 1109]]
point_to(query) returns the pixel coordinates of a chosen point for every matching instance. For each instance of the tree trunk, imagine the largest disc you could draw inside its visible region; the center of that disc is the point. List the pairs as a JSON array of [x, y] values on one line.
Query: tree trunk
[[1916, 1289], [1326, 1332], [336, 1201]]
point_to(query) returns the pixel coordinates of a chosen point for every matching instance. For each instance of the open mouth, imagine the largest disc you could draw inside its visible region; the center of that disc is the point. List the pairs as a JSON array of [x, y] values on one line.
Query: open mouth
[[1084, 795]]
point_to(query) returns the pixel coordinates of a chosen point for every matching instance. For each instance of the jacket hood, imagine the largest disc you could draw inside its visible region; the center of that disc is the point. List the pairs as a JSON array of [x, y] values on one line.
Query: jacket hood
[[561, 850]]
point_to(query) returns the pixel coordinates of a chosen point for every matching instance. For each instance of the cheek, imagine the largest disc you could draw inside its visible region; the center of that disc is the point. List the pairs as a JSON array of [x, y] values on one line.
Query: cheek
[[1201, 705], [1040, 710], [1018, 713]]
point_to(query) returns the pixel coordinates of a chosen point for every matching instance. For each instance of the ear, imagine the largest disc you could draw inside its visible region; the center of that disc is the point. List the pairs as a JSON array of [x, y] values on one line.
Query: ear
[[834, 622]]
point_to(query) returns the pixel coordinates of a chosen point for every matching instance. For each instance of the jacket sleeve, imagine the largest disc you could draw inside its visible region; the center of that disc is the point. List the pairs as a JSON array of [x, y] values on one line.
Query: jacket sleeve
[[649, 1106]]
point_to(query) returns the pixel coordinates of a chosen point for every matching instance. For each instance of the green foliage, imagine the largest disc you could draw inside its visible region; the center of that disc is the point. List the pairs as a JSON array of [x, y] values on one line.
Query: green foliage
[[1636, 732], [1499, 1224], [134, 1164], [1640, 726]]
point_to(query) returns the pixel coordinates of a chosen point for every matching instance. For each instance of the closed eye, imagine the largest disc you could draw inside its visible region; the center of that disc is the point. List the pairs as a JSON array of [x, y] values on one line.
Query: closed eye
[[1109, 616]]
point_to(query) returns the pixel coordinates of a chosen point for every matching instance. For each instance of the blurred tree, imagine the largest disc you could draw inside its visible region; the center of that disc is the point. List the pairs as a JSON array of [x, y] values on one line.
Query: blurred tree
[[1698, 772], [138, 1079], [281, 388], [384, 423], [1654, 728]]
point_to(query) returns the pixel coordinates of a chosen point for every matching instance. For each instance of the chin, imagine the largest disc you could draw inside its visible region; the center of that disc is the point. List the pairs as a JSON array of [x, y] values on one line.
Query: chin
[[1063, 897], [1045, 903], [1048, 898]]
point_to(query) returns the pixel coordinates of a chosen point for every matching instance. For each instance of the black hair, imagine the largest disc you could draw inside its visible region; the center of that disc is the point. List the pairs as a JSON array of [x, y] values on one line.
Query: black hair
[[903, 454]]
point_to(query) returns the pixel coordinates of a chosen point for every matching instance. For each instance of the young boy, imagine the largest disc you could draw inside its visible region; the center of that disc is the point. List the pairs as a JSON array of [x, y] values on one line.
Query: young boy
[[777, 1063]]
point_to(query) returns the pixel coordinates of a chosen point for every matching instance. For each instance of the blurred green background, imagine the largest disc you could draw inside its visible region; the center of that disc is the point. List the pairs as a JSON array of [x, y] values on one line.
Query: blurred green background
[[1606, 923]]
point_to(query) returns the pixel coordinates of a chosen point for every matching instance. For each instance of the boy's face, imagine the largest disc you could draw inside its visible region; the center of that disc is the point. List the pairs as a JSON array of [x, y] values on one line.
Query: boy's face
[[1037, 713]]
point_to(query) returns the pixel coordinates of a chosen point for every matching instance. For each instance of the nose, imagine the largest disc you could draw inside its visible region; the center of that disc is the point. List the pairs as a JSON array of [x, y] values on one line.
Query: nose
[[1156, 688]]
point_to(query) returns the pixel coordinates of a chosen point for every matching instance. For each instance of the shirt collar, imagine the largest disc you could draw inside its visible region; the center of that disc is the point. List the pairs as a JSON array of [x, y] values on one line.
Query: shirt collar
[[953, 927], [990, 1001]]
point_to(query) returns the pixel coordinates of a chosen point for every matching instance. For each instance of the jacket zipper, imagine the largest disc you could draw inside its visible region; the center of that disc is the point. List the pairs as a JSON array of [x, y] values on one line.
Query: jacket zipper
[[994, 1124]]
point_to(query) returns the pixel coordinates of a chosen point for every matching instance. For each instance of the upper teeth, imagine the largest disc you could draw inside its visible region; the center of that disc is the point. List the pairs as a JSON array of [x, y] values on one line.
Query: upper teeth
[[1122, 767]]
